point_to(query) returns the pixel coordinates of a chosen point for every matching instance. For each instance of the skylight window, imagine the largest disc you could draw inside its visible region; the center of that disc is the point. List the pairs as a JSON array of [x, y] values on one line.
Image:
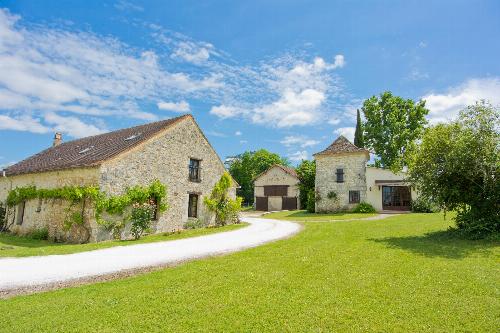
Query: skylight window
[[85, 150], [132, 137]]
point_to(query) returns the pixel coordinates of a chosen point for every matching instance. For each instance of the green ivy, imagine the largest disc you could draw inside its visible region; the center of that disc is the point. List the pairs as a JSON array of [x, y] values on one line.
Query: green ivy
[[102, 203]]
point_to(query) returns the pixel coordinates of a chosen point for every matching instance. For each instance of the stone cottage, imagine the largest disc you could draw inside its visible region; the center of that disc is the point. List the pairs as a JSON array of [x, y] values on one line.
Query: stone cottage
[[343, 180], [277, 189], [173, 151]]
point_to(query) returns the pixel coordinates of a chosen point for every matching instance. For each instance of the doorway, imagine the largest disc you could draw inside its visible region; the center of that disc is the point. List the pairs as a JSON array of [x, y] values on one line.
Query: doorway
[[396, 198]]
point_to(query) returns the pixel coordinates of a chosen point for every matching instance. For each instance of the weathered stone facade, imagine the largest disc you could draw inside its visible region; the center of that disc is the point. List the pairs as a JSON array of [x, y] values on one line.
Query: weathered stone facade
[[277, 176], [354, 179], [164, 157]]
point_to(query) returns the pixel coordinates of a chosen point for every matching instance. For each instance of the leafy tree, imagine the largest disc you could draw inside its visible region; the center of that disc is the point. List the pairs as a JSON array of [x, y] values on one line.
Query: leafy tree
[[457, 165], [392, 127], [248, 165], [359, 140], [226, 209], [307, 175]]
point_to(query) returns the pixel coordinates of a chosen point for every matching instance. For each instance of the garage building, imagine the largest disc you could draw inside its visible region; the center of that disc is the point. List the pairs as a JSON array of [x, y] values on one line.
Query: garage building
[[277, 189]]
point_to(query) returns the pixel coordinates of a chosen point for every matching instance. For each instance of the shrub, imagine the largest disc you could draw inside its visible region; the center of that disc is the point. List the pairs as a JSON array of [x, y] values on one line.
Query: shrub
[[226, 209], [141, 217], [364, 207], [2, 216], [424, 205], [39, 234], [194, 224], [311, 202], [332, 195]]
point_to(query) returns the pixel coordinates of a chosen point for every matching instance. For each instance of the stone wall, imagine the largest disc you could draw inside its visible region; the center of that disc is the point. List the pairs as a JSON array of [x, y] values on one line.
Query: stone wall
[[354, 165], [166, 158], [49, 213]]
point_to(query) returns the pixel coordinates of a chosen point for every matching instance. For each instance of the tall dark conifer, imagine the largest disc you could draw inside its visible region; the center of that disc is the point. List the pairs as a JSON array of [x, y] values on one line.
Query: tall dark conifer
[[358, 135]]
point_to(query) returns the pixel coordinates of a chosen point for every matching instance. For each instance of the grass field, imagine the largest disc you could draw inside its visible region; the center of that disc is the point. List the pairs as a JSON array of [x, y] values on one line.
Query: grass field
[[304, 216], [15, 246], [401, 274]]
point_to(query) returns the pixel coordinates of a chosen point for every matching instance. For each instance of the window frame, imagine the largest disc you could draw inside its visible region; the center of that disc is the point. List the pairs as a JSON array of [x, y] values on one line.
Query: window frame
[[192, 169], [358, 197], [190, 205], [340, 175]]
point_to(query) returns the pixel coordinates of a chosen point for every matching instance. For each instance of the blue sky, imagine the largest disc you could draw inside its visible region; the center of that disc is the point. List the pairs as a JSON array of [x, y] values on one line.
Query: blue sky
[[282, 75]]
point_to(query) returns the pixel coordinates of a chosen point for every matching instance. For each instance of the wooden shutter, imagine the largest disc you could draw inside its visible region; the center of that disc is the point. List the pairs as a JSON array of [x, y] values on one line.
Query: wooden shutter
[[276, 190]]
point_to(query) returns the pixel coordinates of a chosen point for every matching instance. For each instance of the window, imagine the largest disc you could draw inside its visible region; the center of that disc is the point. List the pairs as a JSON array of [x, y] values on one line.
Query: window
[[194, 170], [193, 205], [340, 175], [39, 207], [353, 197], [155, 212]]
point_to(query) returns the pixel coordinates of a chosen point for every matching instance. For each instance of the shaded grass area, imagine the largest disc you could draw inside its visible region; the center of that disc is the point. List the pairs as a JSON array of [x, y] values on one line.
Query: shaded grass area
[[304, 216], [15, 246], [393, 275]]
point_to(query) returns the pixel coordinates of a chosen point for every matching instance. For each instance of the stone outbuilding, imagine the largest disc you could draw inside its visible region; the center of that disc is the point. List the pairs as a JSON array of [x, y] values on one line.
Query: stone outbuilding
[[343, 180], [277, 189], [173, 151]]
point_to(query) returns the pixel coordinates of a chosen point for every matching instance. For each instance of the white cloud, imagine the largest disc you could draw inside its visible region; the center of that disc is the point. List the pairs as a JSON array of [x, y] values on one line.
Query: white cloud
[[182, 106], [243, 142], [299, 140], [45, 69], [23, 123], [192, 52], [238, 133], [416, 74], [348, 132], [446, 106], [339, 61], [72, 125], [298, 156], [216, 134], [224, 111]]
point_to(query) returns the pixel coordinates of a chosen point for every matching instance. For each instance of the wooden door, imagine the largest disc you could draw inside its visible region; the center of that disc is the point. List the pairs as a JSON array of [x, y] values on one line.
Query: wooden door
[[261, 204], [289, 203]]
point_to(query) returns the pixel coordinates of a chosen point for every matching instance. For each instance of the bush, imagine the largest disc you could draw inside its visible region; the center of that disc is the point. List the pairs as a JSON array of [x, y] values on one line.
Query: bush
[[332, 195], [423, 205], [311, 202], [363, 207], [226, 209], [141, 217], [2, 216], [39, 234], [194, 224]]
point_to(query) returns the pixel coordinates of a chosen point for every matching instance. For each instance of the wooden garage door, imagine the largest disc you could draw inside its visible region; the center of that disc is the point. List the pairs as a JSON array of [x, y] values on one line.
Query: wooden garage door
[[261, 204], [289, 203]]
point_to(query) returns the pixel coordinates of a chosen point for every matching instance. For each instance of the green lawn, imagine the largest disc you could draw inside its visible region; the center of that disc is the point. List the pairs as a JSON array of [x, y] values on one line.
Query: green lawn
[[402, 274], [304, 216], [15, 246]]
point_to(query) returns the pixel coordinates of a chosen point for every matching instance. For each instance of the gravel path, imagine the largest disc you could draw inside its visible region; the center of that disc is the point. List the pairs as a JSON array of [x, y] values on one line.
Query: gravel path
[[32, 273]]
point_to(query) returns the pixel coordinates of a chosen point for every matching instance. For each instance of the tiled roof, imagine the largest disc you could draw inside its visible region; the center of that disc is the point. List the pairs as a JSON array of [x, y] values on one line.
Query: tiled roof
[[288, 170], [90, 151], [342, 145]]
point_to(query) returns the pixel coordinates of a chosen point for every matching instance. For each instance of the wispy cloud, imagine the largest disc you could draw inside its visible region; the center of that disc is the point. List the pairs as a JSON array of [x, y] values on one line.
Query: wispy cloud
[[348, 132], [127, 6], [298, 156], [298, 141]]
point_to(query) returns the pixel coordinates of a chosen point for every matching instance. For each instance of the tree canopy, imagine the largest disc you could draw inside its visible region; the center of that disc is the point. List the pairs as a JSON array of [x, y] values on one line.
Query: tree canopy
[[392, 126], [246, 166], [307, 175], [457, 165]]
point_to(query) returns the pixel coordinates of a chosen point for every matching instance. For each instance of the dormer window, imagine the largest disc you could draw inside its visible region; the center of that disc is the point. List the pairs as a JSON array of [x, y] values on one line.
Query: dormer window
[[340, 175], [194, 170]]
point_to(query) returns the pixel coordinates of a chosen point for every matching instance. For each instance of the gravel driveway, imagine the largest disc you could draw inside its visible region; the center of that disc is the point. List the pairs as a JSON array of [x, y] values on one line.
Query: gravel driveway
[[30, 272]]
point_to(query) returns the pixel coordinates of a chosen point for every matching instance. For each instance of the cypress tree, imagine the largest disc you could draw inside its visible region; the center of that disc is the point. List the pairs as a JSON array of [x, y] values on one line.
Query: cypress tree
[[358, 135]]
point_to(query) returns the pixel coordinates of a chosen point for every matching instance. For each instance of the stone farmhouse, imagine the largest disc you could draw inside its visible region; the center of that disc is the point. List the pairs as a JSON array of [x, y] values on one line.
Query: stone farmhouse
[[174, 151], [343, 180], [277, 189]]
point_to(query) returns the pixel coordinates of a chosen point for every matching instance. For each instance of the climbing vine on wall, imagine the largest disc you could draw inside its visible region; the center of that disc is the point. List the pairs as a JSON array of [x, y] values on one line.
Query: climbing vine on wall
[[76, 195]]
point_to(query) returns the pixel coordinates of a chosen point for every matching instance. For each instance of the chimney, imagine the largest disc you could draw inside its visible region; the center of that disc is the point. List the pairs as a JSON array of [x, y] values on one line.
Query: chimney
[[57, 139]]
